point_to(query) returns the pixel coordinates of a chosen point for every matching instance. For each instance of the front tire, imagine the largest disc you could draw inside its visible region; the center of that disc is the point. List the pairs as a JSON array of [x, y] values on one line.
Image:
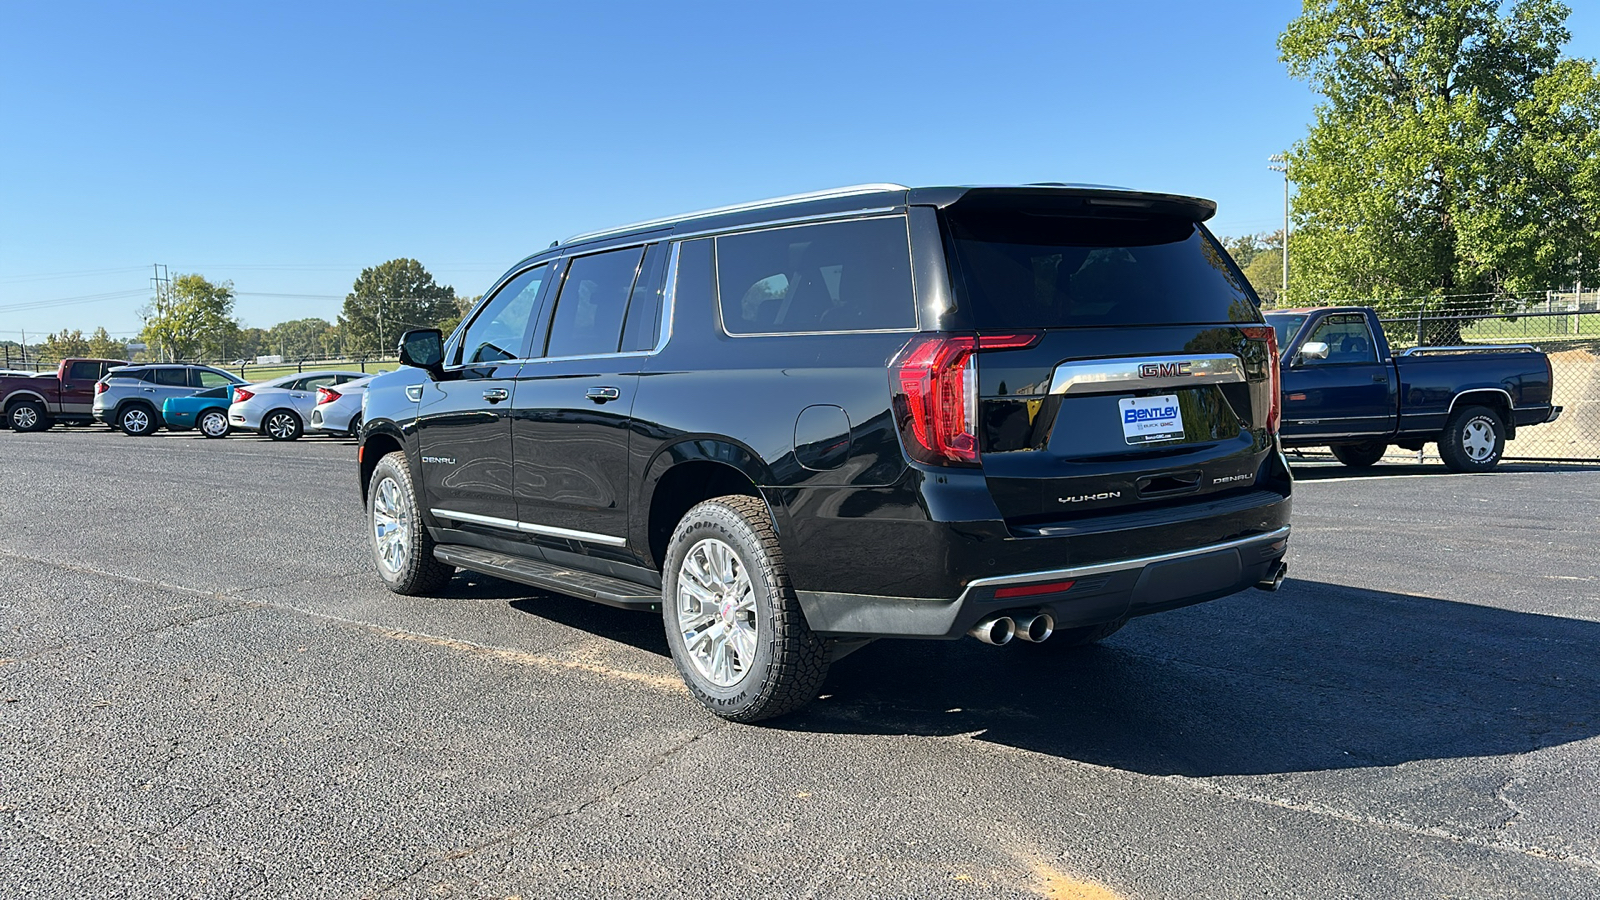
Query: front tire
[[281, 425], [735, 628], [136, 420], [1360, 456], [213, 423], [27, 415], [402, 549], [1473, 440]]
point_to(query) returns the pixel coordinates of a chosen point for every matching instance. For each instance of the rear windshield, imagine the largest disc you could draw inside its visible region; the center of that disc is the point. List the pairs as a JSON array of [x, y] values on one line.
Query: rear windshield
[[1022, 269]]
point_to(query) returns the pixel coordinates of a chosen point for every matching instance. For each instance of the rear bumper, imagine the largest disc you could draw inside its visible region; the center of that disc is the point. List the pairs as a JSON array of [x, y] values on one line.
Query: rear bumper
[[1074, 595]]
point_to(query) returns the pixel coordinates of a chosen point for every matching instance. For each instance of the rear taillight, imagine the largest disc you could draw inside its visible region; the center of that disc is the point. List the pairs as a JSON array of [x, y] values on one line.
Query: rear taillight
[[934, 379], [100, 387], [240, 395], [1274, 374], [326, 395]]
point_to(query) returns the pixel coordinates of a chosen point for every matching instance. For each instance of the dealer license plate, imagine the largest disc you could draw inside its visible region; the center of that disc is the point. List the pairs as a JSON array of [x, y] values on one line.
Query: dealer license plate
[[1146, 420]]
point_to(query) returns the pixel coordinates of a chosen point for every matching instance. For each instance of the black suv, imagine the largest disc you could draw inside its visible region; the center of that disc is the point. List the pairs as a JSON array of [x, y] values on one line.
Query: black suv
[[798, 425]]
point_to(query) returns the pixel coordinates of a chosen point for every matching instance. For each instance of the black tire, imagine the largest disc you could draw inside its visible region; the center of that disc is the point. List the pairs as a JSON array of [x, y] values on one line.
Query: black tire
[[409, 566], [788, 662], [282, 425], [1082, 636], [354, 428], [27, 415], [137, 420], [1359, 456], [1473, 440], [206, 423]]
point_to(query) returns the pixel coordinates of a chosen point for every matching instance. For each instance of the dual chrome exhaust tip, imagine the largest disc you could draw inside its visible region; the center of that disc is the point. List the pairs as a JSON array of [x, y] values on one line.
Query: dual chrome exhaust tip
[[997, 631], [1274, 579]]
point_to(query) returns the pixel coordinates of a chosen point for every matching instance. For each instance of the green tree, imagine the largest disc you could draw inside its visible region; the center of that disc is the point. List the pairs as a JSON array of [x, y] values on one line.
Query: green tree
[[195, 319], [1266, 275], [1453, 159], [387, 300], [66, 344], [102, 346], [297, 338], [464, 305]]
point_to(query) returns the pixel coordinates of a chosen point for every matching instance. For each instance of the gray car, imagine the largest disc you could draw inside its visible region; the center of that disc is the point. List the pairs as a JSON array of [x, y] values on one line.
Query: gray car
[[279, 408], [129, 398]]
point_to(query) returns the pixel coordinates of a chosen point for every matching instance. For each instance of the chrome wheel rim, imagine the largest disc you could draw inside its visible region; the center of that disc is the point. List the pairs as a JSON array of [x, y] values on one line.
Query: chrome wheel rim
[[24, 417], [214, 424], [135, 421], [717, 612], [280, 426], [1477, 439], [391, 525]]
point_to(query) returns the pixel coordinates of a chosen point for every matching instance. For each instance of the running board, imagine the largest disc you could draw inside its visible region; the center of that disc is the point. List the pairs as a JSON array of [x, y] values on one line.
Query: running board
[[560, 579]]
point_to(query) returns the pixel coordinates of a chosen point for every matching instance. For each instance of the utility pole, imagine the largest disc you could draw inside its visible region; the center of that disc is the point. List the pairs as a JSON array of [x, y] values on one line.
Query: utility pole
[[163, 286], [1280, 163]]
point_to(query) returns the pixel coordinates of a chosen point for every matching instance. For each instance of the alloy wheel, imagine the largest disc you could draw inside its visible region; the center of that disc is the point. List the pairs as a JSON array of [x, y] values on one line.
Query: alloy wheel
[[391, 525], [24, 418], [281, 426], [136, 421], [716, 607], [1477, 439]]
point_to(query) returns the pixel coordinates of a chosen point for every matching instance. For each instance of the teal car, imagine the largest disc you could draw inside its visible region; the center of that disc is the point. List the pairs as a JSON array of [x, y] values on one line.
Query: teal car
[[207, 411]]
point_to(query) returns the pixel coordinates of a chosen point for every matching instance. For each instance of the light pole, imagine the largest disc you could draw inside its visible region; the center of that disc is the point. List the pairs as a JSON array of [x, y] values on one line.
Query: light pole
[[1280, 163]]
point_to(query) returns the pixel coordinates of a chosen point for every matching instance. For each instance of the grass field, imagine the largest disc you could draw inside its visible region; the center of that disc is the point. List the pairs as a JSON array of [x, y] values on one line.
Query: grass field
[[1569, 326], [267, 373]]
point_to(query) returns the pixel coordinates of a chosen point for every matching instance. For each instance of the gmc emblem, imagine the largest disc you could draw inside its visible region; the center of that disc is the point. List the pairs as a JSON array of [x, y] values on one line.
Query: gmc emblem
[[1163, 370]]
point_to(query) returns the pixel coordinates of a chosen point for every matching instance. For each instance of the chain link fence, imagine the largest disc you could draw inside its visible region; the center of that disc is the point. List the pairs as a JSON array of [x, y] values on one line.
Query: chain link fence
[[1565, 325]]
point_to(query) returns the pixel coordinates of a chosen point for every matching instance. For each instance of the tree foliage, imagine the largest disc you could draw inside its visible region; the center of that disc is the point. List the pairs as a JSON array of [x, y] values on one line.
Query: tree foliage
[[66, 344], [297, 338], [387, 300], [195, 320], [102, 346], [1454, 156]]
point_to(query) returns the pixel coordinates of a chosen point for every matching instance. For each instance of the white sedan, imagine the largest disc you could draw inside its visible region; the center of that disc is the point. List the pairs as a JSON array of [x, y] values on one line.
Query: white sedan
[[279, 408], [338, 409]]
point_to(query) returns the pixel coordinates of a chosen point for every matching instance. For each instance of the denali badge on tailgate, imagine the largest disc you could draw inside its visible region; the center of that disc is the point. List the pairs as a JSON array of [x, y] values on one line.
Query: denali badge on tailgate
[[1149, 419]]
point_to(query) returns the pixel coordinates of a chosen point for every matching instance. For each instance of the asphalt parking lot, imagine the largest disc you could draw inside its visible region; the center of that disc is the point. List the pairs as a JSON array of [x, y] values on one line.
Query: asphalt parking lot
[[204, 691]]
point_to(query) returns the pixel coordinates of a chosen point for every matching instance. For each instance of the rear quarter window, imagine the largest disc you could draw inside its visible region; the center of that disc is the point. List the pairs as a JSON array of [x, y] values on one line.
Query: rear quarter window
[[836, 276], [1035, 269]]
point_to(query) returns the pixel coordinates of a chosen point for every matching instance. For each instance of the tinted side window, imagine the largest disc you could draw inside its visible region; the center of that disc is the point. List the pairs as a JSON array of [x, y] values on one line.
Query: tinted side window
[[314, 382], [644, 306], [594, 297], [84, 370], [501, 327], [839, 276], [207, 379], [1348, 339], [172, 377]]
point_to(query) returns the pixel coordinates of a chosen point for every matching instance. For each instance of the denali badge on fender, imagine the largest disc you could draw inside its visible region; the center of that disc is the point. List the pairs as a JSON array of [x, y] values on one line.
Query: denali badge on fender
[[1224, 480]]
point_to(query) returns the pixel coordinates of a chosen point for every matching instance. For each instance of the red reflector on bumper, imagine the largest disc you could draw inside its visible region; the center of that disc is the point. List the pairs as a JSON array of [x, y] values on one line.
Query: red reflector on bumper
[[1030, 590]]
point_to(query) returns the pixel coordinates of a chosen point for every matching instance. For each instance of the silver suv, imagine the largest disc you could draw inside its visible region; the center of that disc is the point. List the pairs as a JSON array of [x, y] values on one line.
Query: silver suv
[[129, 398]]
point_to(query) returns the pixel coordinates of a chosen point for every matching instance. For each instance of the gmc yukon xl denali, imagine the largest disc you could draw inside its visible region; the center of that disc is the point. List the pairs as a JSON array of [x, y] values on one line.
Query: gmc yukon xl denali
[[796, 426]]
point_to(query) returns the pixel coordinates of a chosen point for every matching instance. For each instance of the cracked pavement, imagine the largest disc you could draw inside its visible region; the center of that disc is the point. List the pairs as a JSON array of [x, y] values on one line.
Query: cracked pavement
[[204, 692]]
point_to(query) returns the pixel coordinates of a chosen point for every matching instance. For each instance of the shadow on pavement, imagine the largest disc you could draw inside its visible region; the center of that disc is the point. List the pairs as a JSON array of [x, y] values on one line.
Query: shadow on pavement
[[1317, 676]]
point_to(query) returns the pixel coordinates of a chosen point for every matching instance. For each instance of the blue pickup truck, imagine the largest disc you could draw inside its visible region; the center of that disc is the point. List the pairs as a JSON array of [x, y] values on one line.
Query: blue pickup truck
[[1344, 389]]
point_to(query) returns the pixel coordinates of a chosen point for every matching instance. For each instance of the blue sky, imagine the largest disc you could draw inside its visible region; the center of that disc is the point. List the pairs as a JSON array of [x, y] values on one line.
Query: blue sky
[[286, 146]]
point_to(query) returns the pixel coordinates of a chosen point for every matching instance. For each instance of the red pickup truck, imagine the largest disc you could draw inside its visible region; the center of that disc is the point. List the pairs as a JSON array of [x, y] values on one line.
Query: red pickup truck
[[34, 403]]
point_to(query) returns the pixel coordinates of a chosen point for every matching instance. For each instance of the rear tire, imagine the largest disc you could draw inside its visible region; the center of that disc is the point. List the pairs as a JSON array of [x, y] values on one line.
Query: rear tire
[[1473, 440], [402, 549], [213, 423], [1359, 456], [281, 425], [735, 628], [136, 420], [27, 415]]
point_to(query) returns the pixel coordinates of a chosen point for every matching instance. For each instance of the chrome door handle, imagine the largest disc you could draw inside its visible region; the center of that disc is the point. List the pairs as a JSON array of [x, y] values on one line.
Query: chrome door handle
[[602, 394], [495, 395]]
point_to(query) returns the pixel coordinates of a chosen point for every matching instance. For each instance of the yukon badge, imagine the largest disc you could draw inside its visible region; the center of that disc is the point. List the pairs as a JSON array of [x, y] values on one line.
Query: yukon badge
[[1084, 498]]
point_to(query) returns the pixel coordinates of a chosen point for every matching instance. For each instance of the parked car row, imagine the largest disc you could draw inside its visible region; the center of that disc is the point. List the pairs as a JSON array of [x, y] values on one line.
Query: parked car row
[[140, 399]]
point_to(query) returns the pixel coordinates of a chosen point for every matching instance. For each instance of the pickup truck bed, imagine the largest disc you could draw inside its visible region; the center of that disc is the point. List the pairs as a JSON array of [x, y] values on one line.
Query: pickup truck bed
[[34, 403]]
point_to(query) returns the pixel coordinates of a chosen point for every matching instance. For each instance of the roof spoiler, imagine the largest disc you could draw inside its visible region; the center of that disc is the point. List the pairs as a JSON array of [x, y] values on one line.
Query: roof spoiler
[[1087, 198]]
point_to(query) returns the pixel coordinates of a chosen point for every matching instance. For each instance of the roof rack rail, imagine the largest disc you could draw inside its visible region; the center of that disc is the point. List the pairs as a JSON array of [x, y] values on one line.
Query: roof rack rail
[[849, 191]]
